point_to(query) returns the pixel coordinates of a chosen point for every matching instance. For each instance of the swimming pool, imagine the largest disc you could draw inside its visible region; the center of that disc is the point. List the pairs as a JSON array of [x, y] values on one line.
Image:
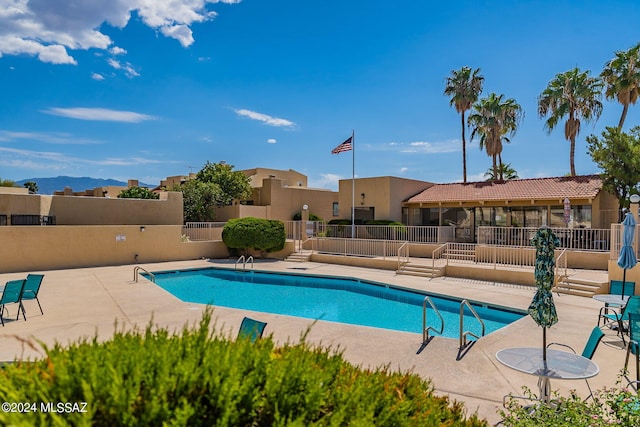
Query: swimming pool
[[335, 299]]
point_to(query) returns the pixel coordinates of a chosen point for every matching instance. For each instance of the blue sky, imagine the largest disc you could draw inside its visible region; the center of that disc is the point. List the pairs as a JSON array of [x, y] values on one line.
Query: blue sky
[[145, 89]]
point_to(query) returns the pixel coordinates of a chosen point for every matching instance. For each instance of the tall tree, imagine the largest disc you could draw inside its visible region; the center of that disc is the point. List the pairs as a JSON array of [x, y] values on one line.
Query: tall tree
[[618, 155], [493, 119], [32, 186], [464, 87], [233, 185], [621, 76], [575, 95], [506, 171]]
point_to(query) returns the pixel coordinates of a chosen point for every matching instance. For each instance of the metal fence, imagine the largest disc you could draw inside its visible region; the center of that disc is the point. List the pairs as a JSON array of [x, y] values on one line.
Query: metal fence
[[590, 239], [616, 241], [406, 233], [359, 247], [202, 231]]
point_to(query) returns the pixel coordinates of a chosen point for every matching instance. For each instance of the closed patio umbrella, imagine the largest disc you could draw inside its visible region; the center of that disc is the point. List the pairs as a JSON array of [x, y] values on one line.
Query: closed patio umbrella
[[542, 308], [627, 258]]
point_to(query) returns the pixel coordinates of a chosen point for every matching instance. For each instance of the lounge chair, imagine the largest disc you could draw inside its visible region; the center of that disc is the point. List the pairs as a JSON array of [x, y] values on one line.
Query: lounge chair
[[31, 289], [615, 287], [11, 295], [589, 349], [632, 306], [633, 347], [251, 329]]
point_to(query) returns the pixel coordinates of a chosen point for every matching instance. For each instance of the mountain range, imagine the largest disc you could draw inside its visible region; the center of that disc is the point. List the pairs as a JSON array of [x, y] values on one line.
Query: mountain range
[[58, 183]]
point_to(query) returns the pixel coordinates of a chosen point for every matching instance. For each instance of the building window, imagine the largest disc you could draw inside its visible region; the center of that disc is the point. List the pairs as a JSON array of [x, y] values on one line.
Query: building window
[[336, 210], [426, 216]]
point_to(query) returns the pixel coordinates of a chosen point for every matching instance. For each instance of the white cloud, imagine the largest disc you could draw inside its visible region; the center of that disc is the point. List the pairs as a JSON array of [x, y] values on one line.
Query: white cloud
[[49, 138], [268, 120], [96, 76], [126, 67], [327, 180], [403, 170], [100, 114], [117, 51], [271, 140], [53, 161], [48, 29], [418, 147]]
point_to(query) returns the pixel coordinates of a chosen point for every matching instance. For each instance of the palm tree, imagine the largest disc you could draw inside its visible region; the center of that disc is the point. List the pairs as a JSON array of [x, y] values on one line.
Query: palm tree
[[574, 94], [621, 76], [464, 86], [493, 119], [506, 171]]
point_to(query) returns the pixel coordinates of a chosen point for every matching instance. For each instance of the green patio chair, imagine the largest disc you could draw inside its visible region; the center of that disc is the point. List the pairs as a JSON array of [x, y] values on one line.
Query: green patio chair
[[634, 343], [251, 329], [11, 294], [589, 349], [32, 288], [615, 287], [632, 306]]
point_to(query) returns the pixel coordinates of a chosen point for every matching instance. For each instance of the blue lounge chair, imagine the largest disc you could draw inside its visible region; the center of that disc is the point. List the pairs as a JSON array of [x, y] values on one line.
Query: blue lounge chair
[[31, 289], [632, 306], [251, 329], [11, 295], [634, 343], [615, 287], [589, 349]]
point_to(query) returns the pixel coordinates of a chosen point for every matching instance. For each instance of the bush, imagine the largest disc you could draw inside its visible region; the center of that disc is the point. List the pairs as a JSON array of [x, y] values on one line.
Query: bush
[[260, 234], [609, 406], [138, 193], [200, 378]]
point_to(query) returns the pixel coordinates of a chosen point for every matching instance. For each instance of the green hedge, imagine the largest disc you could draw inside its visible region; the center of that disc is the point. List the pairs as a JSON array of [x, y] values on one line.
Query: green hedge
[[260, 234], [200, 378]]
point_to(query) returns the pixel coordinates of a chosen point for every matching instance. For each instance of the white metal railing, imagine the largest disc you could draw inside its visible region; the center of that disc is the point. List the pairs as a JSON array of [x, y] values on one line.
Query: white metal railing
[[360, 247], [495, 256], [411, 233], [436, 255], [403, 254], [561, 263], [202, 231], [592, 239], [616, 241]]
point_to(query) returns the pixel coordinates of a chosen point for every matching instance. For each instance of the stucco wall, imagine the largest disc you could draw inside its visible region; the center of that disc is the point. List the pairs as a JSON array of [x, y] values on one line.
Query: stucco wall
[[33, 248], [79, 210]]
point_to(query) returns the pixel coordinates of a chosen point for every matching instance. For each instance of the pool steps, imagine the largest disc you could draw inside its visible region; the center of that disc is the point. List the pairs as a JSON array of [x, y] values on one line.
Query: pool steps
[[421, 270]]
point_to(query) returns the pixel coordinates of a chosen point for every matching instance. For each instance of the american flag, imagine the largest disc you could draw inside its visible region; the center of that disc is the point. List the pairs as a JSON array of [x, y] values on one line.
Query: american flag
[[345, 146]]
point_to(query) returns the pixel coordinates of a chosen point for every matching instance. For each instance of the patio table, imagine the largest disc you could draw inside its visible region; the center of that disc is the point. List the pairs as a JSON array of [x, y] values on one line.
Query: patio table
[[560, 365]]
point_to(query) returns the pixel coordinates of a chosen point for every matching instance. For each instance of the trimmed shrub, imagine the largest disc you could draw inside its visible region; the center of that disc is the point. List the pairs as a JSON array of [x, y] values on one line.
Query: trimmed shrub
[[200, 378], [260, 234]]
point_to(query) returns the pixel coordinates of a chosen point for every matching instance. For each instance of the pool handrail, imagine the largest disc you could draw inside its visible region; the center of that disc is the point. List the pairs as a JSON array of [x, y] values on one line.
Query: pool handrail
[[425, 328], [137, 269], [463, 335], [244, 262]]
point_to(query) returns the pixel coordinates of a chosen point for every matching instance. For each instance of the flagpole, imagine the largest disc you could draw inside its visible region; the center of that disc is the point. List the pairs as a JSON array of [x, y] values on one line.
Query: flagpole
[[353, 184]]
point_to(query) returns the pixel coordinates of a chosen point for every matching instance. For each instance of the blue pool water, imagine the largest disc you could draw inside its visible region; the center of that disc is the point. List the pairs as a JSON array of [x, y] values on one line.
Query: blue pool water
[[335, 299]]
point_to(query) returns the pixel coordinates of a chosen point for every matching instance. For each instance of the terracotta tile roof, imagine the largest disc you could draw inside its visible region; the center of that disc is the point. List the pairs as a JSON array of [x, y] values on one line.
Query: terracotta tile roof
[[576, 187]]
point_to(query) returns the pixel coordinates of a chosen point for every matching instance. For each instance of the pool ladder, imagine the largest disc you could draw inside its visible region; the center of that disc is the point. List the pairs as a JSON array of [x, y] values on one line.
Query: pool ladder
[[426, 329], [465, 334], [136, 272], [244, 262]]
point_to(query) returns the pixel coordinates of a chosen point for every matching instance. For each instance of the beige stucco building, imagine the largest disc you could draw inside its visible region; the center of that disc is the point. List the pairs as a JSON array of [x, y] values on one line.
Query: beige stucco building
[[565, 202], [378, 198]]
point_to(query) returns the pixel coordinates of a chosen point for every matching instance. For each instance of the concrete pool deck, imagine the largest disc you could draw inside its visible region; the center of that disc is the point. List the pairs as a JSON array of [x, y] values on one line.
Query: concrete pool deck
[[89, 301]]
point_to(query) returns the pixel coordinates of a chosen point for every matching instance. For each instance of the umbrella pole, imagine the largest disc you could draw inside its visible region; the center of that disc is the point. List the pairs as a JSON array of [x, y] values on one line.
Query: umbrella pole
[[624, 278], [544, 344]]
